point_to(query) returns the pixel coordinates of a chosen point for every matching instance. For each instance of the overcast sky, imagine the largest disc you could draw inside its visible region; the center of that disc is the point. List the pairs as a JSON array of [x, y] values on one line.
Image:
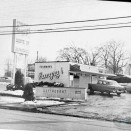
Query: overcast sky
[[52, 11]]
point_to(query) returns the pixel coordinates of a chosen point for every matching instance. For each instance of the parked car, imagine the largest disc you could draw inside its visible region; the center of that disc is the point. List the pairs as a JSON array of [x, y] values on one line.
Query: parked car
[[10, 87], [14, 87], [6, 79], [128, 87], [107, 86]]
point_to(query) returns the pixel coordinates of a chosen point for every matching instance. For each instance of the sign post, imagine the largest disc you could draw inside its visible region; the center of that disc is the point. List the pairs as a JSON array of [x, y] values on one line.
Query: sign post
[[25, 69], [14, 60], [20, 44], [14, 69]]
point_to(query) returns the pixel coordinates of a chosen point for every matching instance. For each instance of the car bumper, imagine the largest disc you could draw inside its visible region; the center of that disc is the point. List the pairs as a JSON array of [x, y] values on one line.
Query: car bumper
[[120, 91]]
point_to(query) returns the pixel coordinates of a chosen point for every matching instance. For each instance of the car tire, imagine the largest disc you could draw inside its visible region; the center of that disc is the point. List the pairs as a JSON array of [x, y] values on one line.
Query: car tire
[[102, 93], [91, 91], [108, 93], [118, 94]]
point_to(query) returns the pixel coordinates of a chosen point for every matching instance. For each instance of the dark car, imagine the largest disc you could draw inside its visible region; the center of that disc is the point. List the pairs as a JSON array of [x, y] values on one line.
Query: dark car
[[128, 87], [14, 87], [10, 87], [107, 86]]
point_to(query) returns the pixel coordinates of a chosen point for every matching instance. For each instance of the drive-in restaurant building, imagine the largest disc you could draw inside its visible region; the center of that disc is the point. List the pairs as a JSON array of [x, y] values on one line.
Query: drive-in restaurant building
[[74, 76], [69, 73]]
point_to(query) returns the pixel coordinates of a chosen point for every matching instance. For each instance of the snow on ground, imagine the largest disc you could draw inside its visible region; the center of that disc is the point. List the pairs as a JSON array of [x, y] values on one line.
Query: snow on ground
[[4, 83], [7, 100], [98, 106], [16, 92], [41, 103], [37, 103]]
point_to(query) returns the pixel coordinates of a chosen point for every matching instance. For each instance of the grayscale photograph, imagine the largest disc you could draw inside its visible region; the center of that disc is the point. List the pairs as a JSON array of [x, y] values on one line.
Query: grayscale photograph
[[65, 65]]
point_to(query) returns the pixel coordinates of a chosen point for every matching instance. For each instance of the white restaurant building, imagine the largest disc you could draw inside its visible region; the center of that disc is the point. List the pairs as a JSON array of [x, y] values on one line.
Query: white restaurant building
[[69, 73]]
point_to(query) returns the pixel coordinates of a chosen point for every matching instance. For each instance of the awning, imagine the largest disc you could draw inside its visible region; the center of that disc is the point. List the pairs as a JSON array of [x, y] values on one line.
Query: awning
[[90, 73]]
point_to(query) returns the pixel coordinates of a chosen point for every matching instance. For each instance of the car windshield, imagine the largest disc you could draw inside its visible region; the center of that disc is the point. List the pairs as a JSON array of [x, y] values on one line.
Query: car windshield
[[109, 82], [114, 83]]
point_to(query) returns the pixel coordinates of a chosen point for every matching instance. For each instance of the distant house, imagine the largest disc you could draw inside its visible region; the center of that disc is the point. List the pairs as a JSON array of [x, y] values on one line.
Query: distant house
[[31, 70], [127, 70]]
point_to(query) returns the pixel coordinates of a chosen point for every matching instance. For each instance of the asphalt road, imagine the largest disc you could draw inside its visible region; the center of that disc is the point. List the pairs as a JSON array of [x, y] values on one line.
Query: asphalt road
[[18, 120]]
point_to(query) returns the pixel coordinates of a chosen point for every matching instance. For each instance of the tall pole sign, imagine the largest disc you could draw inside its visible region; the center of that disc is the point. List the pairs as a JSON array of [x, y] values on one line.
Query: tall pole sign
[[20, 44]]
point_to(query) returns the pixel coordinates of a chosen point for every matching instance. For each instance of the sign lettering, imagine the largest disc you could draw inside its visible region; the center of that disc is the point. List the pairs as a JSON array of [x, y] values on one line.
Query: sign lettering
[[54, 91], [51, 75]]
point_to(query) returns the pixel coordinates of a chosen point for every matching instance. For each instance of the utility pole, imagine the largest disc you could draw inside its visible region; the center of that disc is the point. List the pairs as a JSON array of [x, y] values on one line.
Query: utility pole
[[37, 57], [14, 69]]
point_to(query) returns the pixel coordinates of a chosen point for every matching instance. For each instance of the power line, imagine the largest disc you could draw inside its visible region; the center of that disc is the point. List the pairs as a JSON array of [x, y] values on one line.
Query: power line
[[80, 29], [70, 22], [68, 28], [55, 31], [82, 26]]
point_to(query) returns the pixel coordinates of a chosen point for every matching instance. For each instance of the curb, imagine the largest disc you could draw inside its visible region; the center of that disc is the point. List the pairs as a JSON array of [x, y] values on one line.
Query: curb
[[17, 108], [3, 94]]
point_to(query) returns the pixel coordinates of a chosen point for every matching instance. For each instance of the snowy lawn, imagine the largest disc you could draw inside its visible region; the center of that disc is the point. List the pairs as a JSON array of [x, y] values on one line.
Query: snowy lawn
[[41, 102], [9, 100], [104, 107], [13, 93]]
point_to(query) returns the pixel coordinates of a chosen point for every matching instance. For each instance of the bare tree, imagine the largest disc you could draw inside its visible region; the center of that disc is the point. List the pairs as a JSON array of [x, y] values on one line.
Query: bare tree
[[74, 54], [94, 57], [42, 59], [78, 55], [104, 55], [113, 56]]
